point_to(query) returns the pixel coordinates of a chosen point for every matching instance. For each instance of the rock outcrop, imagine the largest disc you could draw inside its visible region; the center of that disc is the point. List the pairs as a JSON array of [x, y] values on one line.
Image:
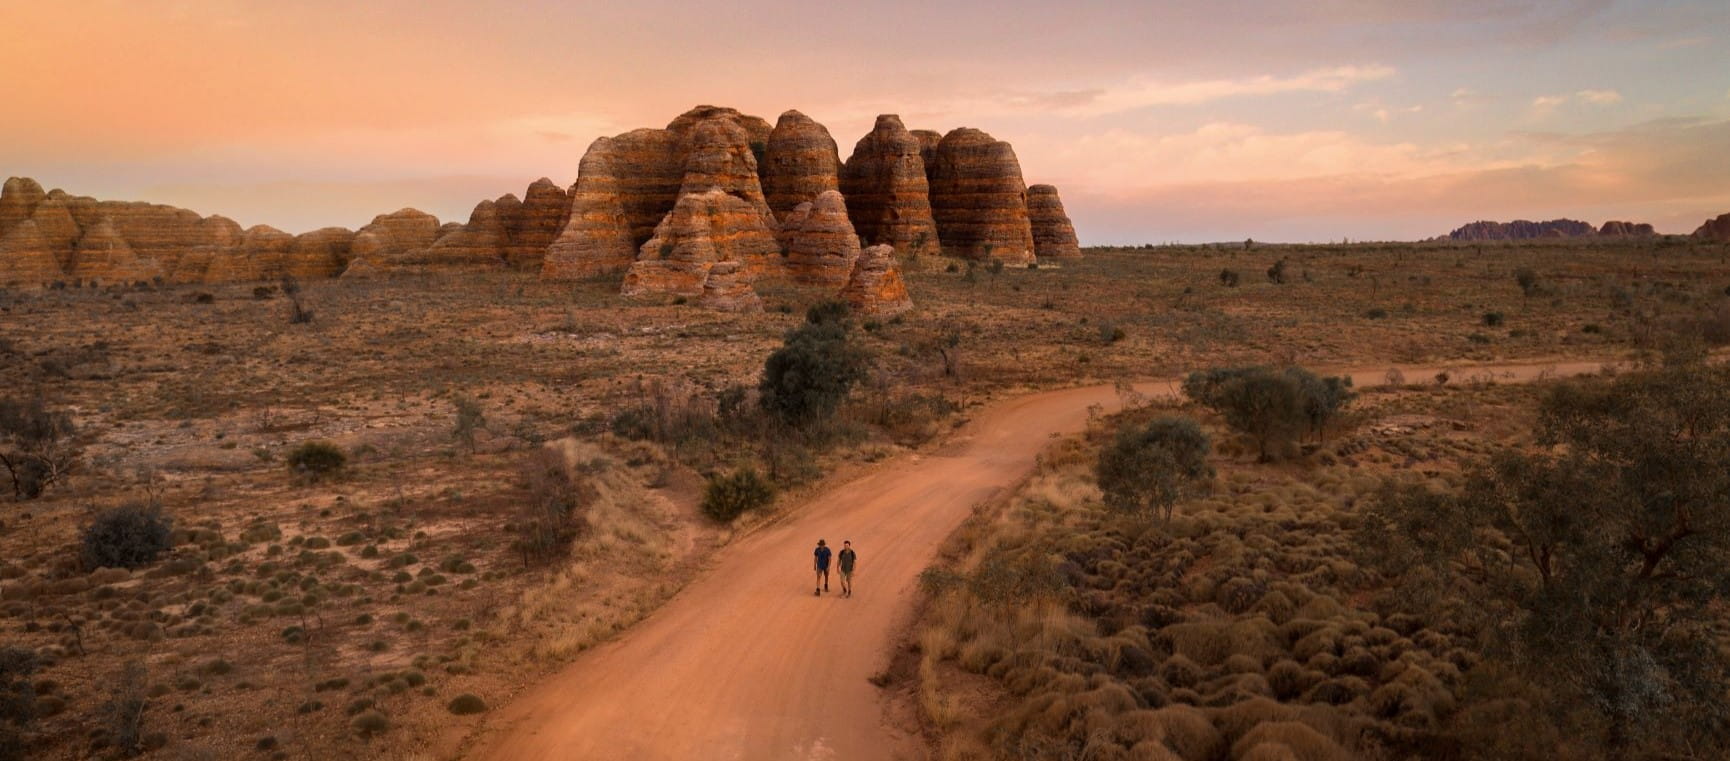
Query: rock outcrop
[[25, 257], [800, 163], [701, 230], [928, 140], [1053, 234], [104, 257], [319, 254], [1521, 229], [477, 245], [875, 286], [533, 224], [627, 184], [823, 247], [18, 200], [262, 255], [1717, 228], [979, 199], [727, 290], [1626, 229], [888, 196], [390, 237]]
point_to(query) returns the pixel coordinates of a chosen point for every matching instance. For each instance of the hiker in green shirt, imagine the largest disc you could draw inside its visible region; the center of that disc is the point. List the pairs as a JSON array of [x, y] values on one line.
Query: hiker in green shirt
[[847, 558]]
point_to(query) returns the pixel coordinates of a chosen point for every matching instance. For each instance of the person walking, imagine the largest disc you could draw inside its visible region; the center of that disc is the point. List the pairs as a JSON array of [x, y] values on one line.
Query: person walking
[[821, 556], [847, 560]]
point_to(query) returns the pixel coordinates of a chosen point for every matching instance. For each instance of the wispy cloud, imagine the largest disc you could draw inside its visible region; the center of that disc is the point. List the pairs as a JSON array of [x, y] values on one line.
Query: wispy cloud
[[1146, 93], [1599, 97]]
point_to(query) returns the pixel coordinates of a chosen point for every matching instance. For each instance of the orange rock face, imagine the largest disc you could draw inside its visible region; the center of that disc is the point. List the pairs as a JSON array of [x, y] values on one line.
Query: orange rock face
[[822, 249], [477, 245], [18, 200], [928, 140], [389, 237], [319, 254], [1053, 234], [26, 260], [979, 199], [103, 257], [800, 163], [875, 286], [727, 290], [532, 225], [702, 229], [1717, 228], [628, 183], [888, 197]]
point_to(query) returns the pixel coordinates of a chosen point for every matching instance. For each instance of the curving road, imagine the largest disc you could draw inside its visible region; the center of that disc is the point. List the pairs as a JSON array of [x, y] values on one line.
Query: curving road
[[745, 663]]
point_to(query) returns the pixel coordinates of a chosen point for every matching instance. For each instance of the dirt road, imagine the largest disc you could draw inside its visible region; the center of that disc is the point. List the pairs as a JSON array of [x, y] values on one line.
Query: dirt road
[[746, 664]]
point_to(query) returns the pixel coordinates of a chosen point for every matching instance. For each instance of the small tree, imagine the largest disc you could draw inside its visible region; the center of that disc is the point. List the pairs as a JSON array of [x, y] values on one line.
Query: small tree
[[36, 445], [1595, 565], [298, 313], [470, 418], [1276, 273], [1229, 278], [1528, 281], [128, 536], [727, 497], [17, 700], [815, 368], [1151, 468], [1276, 408], [552, 515]]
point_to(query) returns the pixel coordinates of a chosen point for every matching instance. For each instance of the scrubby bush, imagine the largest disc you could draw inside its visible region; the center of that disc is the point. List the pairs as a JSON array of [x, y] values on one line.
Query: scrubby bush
[[727, 497], [815, 368], [370, 723], [470, 418], [18, 709], [1276, 273], [1595, 563], [36, 445], [1275, 407], [127, 536], [1229, 278], [1493, 319], [467, 704], [317, 459], [1527, 279], [121, 726], [553, 514], [1153, 467]]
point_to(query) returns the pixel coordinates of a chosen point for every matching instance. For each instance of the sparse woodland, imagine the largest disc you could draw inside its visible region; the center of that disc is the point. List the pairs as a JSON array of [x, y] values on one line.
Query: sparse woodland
[[239, 521]]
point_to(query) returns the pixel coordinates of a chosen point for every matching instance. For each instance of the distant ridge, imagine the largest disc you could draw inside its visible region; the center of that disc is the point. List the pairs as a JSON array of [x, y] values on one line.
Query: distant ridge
[[1521, 229]]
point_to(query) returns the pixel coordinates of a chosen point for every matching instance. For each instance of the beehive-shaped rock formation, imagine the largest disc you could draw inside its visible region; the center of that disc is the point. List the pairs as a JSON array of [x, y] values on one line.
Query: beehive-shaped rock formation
[[532, 225], [928, 140], [25, 257], [319, 254], [888, 197], [702, 229], [1717, 228], [479, 244], [728, 290], [18, 200], [1053, 234], [822, 248], [628, 183], [104, 257], [979, 199], [875, 286], [800, 163], [390, 237]]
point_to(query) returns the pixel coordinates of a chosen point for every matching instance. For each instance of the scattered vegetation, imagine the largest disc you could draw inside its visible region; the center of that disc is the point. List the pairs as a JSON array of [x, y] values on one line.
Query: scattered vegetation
[[128, 536], [729, 496], [1151, 468], [317, 460], [36, 445], [817, 364], [1274, 407]]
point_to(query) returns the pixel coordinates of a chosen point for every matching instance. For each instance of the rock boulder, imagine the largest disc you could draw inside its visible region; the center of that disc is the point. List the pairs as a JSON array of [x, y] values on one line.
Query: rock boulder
[[1717, 229], [800, 163], [727, 290], [888, 196], [875, 286], [979, 199], [1053, 234], [822, 249]]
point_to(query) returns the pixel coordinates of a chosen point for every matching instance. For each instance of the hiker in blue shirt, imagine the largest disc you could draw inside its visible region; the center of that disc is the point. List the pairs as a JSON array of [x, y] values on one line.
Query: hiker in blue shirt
[[822, 563]]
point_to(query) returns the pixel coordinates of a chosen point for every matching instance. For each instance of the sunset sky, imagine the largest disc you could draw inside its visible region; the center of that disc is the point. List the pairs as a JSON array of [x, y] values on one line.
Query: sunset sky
[[1193, 120]]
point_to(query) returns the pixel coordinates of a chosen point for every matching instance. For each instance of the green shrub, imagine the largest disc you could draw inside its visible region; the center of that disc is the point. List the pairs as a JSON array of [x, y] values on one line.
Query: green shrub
[[317, 459], [1154, 466], [726, 497], [815, 368], [127, 536], [1493, 319], [369, 723], [36, 446], [1275, 407], [467, 704]]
